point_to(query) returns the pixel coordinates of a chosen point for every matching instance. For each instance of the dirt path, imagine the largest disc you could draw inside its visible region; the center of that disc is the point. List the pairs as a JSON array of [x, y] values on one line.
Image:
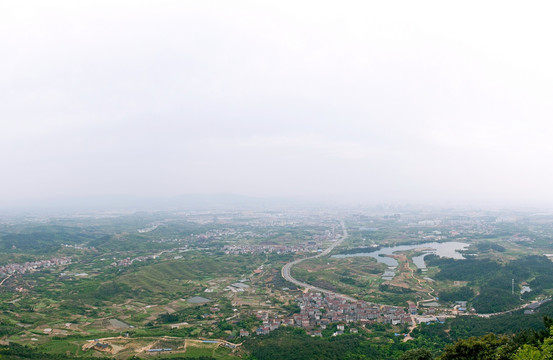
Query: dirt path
[[411, 328], [432, 290]]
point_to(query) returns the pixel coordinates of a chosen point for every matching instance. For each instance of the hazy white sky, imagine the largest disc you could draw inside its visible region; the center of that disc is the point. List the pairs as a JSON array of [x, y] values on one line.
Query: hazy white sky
[[369, 100]]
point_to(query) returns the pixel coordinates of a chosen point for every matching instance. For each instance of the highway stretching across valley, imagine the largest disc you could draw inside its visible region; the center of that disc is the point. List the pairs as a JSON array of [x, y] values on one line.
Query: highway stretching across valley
[[286, 269]]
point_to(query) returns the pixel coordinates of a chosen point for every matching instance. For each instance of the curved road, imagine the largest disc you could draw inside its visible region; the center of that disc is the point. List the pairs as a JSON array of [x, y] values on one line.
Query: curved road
[[6, 278], [286, 268], [523, 306]]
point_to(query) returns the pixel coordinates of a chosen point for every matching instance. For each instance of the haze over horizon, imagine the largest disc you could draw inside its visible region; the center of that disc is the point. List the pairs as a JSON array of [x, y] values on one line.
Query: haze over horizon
[[365, 102]]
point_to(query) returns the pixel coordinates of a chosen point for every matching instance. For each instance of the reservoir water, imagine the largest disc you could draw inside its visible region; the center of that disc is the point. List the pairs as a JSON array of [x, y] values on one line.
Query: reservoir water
[[446, 249]]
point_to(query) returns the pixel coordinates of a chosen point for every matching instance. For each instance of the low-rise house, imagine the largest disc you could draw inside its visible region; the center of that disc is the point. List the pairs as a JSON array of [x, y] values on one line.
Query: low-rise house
[[263, 330]]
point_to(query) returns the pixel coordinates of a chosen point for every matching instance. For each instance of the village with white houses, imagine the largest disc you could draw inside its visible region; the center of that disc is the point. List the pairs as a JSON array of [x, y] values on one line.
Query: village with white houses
[[22, 268], [319, 311]]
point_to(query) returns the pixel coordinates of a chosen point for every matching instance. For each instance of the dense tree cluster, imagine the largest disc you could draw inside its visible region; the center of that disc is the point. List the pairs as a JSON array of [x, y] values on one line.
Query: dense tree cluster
[[44, 239], [295, 344], [462, 293], [486, 246], [494, 280]]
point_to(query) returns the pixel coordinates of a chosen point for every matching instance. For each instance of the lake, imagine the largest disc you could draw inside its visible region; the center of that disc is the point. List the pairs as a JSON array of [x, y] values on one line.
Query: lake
[[446, 249]]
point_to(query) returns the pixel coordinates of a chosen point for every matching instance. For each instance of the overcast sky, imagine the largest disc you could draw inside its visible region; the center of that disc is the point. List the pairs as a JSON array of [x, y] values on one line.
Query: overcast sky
[[371, 100]]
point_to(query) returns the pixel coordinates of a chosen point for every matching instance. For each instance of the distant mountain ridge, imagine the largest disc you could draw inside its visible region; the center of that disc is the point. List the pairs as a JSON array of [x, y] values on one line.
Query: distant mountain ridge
[[218, 201]]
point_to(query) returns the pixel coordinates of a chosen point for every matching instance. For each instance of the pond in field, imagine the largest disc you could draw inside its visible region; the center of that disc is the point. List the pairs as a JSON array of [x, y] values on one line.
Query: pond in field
[[448, 249]]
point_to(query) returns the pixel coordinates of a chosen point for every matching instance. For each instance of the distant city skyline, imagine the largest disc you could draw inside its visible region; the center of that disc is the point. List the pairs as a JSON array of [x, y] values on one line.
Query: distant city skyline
[[357, 102]]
